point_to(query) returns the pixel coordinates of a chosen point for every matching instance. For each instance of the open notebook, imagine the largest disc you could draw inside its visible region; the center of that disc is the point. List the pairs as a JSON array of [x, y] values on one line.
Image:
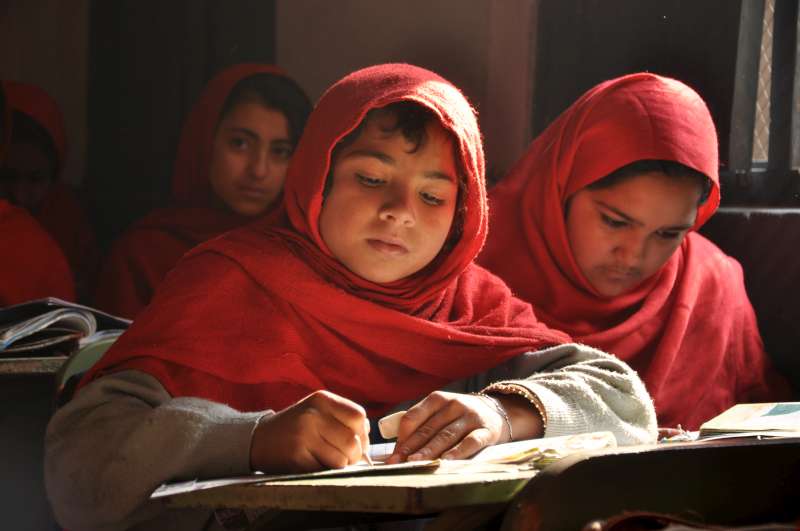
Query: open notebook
[[508, 457]]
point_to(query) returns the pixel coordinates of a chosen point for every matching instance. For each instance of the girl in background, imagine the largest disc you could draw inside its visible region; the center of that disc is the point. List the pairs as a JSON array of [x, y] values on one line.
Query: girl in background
[[32, 178], [32, 266], [596, 227], [230, 167]]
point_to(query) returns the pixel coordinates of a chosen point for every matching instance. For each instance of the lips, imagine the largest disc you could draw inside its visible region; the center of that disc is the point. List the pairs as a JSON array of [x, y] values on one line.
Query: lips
[[258, 193], [616, 274], [391, 246]]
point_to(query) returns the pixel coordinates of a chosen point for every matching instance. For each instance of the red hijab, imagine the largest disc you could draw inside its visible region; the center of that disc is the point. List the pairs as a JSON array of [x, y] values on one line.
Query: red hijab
[[152, 246], [59, 213], [33, 266], [260, 317], [695, 359]]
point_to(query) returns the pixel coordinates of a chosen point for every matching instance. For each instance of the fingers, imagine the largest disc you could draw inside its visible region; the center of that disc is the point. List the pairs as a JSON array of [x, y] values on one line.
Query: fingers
[[443, 424], [342, 425], [320, 431]]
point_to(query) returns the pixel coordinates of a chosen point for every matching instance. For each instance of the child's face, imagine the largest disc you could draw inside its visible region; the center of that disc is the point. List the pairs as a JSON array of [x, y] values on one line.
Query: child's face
[[249, 158], [623, 234], [389, 210], [26, 175]]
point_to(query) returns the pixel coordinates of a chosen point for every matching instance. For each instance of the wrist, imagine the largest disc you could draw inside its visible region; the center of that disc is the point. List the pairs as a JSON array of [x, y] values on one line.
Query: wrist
[[508, 431], [526, 412]]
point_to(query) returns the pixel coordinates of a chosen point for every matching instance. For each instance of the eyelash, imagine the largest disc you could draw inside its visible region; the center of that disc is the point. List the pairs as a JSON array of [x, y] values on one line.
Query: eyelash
[[371, 182], [617, 224], [613, 223], [239, 142]]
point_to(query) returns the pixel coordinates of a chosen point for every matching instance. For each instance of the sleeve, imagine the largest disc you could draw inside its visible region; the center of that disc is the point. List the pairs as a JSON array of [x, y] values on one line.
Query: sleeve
[[122, 436], [578, 389]]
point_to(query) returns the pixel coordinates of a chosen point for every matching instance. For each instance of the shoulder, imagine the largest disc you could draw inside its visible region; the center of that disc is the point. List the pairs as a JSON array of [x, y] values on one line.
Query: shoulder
[[709, 259]]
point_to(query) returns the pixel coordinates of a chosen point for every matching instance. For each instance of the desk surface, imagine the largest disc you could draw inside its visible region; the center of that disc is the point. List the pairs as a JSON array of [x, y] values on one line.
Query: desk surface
[[32, 365], [406, 493]]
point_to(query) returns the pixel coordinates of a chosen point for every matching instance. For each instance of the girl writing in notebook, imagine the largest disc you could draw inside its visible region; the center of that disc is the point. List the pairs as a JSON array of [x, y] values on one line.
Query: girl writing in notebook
[[230, 166], [595, 227], [268, 348]]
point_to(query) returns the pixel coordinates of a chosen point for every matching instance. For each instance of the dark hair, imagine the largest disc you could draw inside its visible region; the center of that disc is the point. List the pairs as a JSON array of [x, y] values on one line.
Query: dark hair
[[276, 92], [411, 119], [670, 168], [26, 130]]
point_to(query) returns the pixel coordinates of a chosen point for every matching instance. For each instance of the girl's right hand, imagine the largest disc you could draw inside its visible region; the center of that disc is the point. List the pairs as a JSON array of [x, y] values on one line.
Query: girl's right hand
[[323, 430]]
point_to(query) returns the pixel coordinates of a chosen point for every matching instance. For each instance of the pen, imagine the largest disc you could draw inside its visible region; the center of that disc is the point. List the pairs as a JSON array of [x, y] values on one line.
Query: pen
[[367, 458]]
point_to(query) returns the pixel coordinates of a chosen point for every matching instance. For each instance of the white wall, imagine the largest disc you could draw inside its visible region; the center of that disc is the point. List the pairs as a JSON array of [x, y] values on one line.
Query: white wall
[[483, 46], [45, 43]]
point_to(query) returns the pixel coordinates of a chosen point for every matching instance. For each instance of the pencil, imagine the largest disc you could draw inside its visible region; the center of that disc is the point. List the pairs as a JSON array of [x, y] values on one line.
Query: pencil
[[367, 458]]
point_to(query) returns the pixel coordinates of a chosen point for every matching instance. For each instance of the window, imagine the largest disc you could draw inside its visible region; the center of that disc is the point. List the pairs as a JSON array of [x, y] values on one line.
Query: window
[[765, 131]]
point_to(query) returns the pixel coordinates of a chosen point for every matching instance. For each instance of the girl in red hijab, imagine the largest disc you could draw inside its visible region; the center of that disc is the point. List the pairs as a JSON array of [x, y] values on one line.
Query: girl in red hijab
[[31, 177], [231, 163], [595, 226], [266, 348], [32, 266]]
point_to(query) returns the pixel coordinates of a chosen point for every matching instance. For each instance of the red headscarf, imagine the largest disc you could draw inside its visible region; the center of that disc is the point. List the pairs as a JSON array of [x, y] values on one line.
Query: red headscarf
[[152, 246], [59, 213], [689, 330], [32, 266], [260, 317]]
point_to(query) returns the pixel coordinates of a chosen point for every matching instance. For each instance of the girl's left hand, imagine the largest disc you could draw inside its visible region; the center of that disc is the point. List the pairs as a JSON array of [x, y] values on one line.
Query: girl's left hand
[[448, 425]]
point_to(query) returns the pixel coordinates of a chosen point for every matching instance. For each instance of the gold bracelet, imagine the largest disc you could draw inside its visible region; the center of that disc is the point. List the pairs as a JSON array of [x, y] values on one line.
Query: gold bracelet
[[500, 409], [521, 390]]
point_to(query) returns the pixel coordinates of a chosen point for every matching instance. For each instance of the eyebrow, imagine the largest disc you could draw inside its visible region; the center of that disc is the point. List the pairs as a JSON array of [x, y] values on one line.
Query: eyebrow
[[386, 159], [636, 221], [253, 135], [244, 131]]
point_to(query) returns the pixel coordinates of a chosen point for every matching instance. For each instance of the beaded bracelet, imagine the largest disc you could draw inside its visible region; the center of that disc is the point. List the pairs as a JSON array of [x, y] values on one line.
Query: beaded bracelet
[[500, 409], [521, 390]]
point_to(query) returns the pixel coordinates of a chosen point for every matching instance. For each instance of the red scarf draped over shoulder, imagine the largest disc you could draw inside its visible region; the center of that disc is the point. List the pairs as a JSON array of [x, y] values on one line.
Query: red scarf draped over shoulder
[[59, 213], [152, 246], [32, 266], [261, 316], [689, 330]]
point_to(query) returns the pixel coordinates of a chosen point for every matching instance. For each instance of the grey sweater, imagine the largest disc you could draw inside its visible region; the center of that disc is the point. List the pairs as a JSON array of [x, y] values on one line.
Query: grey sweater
[[124, 435]]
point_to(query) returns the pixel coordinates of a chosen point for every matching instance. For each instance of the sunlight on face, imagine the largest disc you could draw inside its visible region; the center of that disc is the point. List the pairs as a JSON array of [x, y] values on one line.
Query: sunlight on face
[[623, 234], [26, 175], [389, 210], [249, 158]]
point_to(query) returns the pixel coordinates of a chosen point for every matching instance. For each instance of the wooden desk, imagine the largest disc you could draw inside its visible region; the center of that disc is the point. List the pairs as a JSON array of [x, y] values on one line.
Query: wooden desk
[[459, 501], [31, 366], [733, 482]]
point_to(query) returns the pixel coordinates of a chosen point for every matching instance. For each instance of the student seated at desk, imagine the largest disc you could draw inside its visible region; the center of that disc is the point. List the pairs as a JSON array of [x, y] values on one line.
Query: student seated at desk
[[32, 266], [266, 349], [31, 178], [595, 227], [230, 166]]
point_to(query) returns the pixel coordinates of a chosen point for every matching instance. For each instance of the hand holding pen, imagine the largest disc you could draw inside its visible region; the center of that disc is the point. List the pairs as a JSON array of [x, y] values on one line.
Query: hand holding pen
[[323, 430]]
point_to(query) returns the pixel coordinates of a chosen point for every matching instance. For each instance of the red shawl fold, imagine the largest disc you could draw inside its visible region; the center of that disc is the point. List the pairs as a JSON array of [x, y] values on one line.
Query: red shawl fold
[[261, 316], [141, 258], [33, 266], [60, 212], [689, 330]]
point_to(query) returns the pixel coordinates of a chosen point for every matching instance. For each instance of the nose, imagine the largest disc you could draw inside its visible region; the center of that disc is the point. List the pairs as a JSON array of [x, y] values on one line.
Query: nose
[[630, 250], [261, 165], [398, 208]]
